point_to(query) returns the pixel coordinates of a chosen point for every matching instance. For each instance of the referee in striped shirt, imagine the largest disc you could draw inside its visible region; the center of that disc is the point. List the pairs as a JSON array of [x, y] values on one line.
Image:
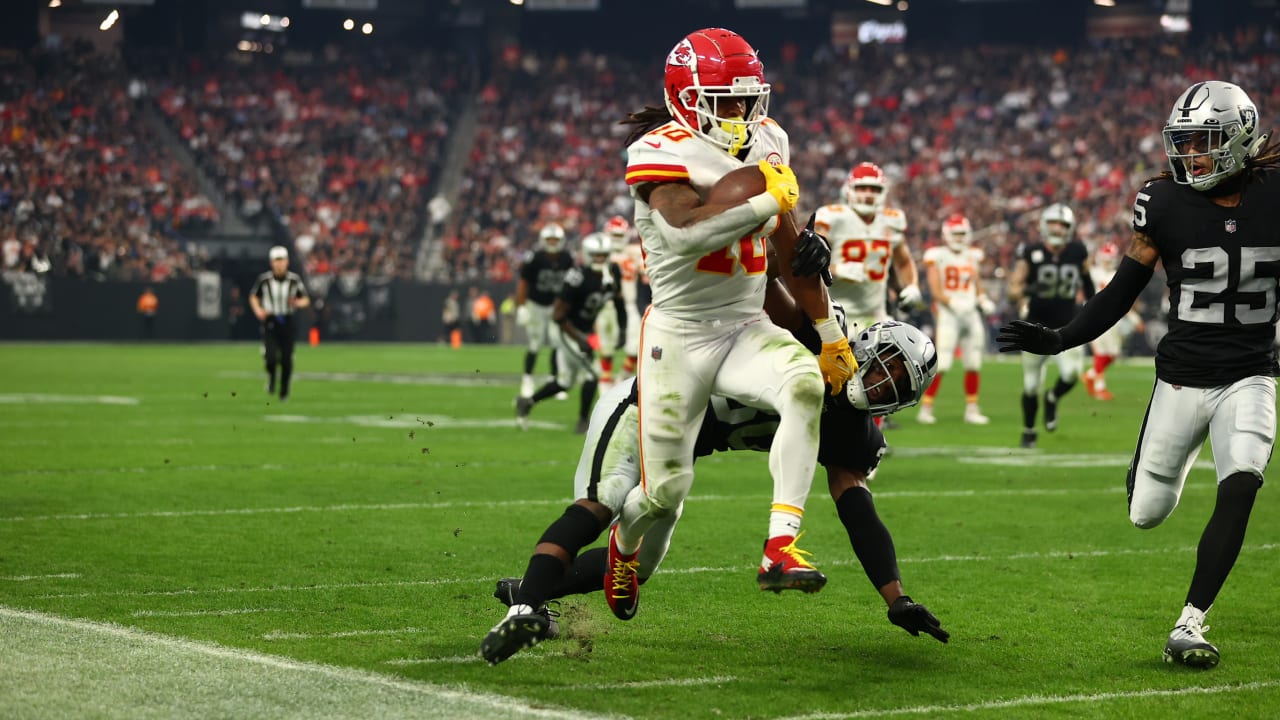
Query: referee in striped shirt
[[275, 295]]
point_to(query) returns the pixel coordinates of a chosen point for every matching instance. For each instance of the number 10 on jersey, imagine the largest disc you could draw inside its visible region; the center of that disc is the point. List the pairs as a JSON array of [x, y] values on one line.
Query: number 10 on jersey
[[752, 255]]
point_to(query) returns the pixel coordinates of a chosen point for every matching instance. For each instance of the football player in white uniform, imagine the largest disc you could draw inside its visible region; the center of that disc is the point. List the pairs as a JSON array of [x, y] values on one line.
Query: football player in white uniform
[[629, 258], [958, 308], [866, 238], [1109, 345], [706, 331]]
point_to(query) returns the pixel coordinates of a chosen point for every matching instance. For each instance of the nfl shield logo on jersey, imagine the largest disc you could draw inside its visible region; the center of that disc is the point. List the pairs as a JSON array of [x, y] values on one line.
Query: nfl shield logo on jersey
[[656, 353], [1230, 225]]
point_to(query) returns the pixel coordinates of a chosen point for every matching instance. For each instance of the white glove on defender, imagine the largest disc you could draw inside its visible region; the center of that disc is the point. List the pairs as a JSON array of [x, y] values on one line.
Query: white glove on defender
[[852, 271], [986, 305], [522, 315], [909, 297]]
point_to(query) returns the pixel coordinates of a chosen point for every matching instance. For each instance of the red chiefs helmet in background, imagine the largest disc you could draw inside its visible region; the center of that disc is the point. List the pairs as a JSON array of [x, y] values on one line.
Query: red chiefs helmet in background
[[866, 188], [956, 232], [709, 67]]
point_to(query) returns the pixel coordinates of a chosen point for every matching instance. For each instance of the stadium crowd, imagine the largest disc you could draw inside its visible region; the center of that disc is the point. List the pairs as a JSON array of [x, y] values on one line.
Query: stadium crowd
[[343, 152], [85, 189]]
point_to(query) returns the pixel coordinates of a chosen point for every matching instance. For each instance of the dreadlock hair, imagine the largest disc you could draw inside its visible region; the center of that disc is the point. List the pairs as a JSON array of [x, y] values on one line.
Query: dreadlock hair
[[646, 120]]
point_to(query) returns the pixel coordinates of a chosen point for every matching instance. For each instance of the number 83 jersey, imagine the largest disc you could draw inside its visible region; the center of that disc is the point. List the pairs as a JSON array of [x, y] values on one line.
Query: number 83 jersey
[[1222, 265]]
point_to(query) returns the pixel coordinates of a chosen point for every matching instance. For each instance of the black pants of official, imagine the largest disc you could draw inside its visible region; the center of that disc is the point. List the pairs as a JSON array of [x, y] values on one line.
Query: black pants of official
[[277, 349]]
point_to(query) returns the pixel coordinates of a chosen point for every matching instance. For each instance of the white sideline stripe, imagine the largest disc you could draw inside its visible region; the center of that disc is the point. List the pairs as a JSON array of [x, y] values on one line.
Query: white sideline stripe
[[53, 576], [1031, 700], [201, 613], [343, 634], [451, 505], [538, 654], [670, 682], [54, 669], [665, 571]]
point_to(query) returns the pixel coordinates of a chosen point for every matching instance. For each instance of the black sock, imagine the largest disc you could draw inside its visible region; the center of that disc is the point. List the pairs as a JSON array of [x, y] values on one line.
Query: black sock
[[530, 358], [870, 539], [542, 574], [546, 391], [1222, 538], [585, 575], [1062, 388], [1030, 404], [286, 372], [588, 398], [555, 362]]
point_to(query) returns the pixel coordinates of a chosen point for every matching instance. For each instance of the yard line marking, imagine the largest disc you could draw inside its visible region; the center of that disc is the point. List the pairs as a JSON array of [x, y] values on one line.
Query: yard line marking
[[538, 653], [53, 576], [458, 380], [259, 467], [202, 613], [47, 399], [342, 634], [462, 504], [665, 570], [188, 678], [670, 682], [1031, 700]]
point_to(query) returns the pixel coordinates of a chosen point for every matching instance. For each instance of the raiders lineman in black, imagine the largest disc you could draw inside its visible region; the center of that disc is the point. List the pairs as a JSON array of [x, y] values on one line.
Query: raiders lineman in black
[[274, 297], [1049, 275], [896, 363], [541, 277], [587, 289], [1213, 221]]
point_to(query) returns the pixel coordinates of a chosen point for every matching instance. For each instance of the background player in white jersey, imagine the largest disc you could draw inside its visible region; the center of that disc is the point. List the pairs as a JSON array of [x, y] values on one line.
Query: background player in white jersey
[[1108, 346], [541, 277], [629, 258], [867, 237], [958, 308], [706, 331]]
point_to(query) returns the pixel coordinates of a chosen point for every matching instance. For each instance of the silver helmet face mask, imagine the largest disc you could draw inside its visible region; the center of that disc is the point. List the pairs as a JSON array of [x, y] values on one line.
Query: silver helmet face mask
[[896, 363], [1211, 132]]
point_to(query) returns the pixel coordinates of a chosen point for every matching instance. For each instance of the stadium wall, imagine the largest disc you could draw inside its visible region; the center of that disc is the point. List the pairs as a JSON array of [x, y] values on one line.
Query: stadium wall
[[43, 308]]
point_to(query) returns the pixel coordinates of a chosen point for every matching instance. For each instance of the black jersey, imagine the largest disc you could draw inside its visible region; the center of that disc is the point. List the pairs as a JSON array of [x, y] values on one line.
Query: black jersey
[[586, 292], [544, 272], [1054, 280], [849, 437], [1222, 266]]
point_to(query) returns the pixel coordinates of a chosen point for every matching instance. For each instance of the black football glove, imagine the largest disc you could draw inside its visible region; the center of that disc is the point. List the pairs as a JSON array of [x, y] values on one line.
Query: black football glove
[[916, 618], [1029, 337], [813, 254], [585, 346]]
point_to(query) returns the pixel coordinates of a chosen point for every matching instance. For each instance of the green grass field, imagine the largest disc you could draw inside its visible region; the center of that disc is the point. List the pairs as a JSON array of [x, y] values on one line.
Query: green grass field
[[174, 543]]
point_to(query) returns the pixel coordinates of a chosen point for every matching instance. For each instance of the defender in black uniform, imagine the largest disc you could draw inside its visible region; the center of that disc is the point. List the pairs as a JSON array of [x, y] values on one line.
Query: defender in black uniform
[[1050, 275], [541, 277], [896, 363], [586, 290], [1213, 221], [274, 297]]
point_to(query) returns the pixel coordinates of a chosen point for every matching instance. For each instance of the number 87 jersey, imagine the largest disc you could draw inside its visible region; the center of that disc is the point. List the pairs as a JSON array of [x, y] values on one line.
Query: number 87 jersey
[[1222, 265], [861, 255]]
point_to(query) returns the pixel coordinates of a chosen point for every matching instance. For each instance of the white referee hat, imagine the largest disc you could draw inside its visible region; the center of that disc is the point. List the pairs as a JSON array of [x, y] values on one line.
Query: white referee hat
[[278, 251]]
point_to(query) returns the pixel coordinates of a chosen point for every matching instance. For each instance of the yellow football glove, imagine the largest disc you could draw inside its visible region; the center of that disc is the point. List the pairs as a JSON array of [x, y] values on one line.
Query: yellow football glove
[[837, 364], [781, 183]]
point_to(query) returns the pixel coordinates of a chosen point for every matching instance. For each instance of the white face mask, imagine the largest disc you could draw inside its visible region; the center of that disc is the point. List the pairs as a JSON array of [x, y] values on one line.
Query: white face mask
[[856, 393]]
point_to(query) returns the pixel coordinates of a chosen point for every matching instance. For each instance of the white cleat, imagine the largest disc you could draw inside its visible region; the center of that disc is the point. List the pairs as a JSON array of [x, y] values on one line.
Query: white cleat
[[925, 416], [1186, 644], [974, 416]]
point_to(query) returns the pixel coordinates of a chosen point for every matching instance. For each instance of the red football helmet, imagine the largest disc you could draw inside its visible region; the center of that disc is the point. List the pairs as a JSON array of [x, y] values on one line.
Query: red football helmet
[[956, 232], [1108, 256], [866, 188], [617, 229], [709, 66]]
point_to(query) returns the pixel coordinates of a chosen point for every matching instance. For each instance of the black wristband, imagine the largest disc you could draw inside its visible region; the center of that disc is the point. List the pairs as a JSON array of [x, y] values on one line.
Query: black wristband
[[1108, 306]]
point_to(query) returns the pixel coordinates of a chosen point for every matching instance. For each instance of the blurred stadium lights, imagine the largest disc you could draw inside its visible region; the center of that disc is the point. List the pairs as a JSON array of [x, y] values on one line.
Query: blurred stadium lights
[[367, 28], [517, 2], [250, 20], [55, 3], [348, 24], [886, 3], [109, 20], [1105, 3]]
